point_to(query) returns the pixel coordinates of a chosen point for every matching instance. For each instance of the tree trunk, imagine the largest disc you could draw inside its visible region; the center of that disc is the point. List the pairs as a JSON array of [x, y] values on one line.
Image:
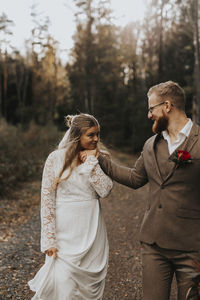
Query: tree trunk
[[160, 51], [1, 100], [197, 57], [194, 7], [5, 83], [89, 62]]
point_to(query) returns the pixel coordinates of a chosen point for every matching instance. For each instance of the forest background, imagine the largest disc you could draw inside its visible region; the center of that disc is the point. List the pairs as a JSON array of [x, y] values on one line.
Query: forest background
[[108, 74]]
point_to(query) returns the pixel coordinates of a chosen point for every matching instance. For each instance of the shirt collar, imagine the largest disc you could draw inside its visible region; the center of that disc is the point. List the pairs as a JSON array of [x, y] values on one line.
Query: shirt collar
[[184, 131]]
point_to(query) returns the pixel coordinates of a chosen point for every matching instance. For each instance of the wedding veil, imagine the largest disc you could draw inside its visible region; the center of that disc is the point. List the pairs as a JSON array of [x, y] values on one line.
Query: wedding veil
[[65, 140]]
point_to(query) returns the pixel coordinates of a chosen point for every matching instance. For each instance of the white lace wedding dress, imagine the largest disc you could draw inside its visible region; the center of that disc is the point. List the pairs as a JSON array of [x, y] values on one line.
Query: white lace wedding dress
[[72, 222]]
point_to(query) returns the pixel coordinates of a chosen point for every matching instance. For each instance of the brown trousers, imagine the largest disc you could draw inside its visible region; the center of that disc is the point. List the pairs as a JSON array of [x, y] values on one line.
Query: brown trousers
[[159, 267]]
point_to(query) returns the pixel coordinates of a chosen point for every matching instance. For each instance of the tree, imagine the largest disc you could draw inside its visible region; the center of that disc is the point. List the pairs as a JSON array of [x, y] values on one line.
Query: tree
[[21, 76], [189, 14], [159, 17], [194, 8], [95, 70], [85, 39], [39, 42], [5, 31]]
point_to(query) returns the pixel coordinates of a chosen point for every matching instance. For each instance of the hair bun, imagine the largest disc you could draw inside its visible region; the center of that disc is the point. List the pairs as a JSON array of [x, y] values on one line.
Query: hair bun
[[68, 120]]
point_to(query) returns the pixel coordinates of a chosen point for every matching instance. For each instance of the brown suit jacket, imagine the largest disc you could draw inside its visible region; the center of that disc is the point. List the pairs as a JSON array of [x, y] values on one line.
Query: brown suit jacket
[[172, 217]]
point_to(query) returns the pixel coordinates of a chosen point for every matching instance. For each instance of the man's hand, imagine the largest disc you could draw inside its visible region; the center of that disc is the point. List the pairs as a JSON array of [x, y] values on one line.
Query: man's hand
[[52, 251], [84, 154]]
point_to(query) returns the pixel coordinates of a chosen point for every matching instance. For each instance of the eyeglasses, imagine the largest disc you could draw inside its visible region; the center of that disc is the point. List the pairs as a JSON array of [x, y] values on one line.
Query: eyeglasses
[[150, 110]]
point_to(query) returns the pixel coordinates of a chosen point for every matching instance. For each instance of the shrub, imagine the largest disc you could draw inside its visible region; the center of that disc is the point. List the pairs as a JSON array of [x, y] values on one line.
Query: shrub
[[23, 152]]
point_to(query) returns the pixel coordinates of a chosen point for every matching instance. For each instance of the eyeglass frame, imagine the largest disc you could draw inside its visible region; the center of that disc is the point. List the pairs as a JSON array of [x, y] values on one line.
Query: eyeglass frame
[[150, 110]]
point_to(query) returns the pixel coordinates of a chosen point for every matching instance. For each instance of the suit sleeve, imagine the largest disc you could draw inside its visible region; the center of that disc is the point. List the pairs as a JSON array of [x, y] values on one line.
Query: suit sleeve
[[132, 177]]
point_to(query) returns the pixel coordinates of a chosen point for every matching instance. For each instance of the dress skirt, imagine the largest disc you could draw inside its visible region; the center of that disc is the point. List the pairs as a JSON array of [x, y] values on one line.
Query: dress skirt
[[80, 269]]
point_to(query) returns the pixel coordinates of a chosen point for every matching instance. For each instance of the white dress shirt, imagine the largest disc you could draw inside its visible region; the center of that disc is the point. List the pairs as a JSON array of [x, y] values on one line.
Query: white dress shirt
[[184, 132]]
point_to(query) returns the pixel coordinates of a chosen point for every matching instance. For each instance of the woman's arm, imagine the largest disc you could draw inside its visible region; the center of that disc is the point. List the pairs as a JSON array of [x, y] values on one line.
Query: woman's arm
[[98, 179], [48, 205], [101, 183]]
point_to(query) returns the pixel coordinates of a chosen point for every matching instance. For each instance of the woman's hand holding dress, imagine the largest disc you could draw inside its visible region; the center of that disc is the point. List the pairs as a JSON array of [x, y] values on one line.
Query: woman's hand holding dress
[[52, 251]]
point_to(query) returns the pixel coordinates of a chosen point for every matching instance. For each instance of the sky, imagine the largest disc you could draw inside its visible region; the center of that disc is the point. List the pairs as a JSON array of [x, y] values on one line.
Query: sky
[[61, 15]]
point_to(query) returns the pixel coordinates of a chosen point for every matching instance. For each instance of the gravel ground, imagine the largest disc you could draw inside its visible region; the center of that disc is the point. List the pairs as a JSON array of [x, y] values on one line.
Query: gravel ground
[[20, 238]]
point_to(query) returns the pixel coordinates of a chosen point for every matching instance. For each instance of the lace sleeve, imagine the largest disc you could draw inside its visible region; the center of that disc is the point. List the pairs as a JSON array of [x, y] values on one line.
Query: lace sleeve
[[98, 179], [48, 199]]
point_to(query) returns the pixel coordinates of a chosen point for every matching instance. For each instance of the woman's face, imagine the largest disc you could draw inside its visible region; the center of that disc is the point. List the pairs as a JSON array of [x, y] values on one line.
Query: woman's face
[[90, 138]]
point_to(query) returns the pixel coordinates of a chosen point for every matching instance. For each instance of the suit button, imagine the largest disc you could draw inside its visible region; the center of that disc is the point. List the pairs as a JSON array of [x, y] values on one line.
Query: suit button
[[160, 206], [162, 187]]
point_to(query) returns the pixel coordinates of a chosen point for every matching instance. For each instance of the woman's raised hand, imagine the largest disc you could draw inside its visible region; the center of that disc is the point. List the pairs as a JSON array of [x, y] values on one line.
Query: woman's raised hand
[[52, 251], [84, 154]]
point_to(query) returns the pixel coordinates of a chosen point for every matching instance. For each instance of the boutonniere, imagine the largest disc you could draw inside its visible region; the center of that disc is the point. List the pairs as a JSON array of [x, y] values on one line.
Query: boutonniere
[[182, 158]]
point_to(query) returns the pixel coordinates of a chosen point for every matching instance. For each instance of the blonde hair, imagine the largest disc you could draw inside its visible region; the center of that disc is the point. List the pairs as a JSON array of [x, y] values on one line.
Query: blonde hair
[[78, 125], [172, 90]]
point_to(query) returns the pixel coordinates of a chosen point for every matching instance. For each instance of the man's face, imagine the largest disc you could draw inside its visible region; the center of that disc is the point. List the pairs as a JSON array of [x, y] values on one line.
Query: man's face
[[157, 114]]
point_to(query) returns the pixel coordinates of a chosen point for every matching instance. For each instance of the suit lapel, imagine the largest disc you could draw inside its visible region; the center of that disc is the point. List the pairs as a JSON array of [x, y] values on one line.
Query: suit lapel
[[192, 138], [152, 145], [186, 145]]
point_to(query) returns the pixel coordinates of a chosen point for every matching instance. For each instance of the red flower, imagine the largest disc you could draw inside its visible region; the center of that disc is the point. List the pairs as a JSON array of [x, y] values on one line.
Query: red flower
[[183, 155], [182, 158]]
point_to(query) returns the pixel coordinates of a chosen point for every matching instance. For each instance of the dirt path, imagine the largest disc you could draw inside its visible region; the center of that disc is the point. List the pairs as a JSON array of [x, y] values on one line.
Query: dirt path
[[20, 238]]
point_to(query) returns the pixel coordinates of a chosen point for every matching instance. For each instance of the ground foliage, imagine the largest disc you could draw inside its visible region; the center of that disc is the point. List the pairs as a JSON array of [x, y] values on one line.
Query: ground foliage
[[22, 152]]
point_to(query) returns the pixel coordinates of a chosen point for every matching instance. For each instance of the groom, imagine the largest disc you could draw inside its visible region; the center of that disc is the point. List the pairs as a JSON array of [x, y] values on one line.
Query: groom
[[170, 163]]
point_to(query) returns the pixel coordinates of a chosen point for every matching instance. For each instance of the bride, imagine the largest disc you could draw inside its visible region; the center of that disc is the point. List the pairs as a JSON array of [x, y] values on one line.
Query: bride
[[73, 232]]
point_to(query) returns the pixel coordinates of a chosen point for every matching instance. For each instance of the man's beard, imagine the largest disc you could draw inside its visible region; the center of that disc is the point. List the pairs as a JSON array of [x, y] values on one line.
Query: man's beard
[[160, 124]]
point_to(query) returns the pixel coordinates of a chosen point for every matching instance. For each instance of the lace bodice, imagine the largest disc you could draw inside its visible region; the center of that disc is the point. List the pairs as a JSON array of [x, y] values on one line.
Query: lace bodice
[[86, 182]]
